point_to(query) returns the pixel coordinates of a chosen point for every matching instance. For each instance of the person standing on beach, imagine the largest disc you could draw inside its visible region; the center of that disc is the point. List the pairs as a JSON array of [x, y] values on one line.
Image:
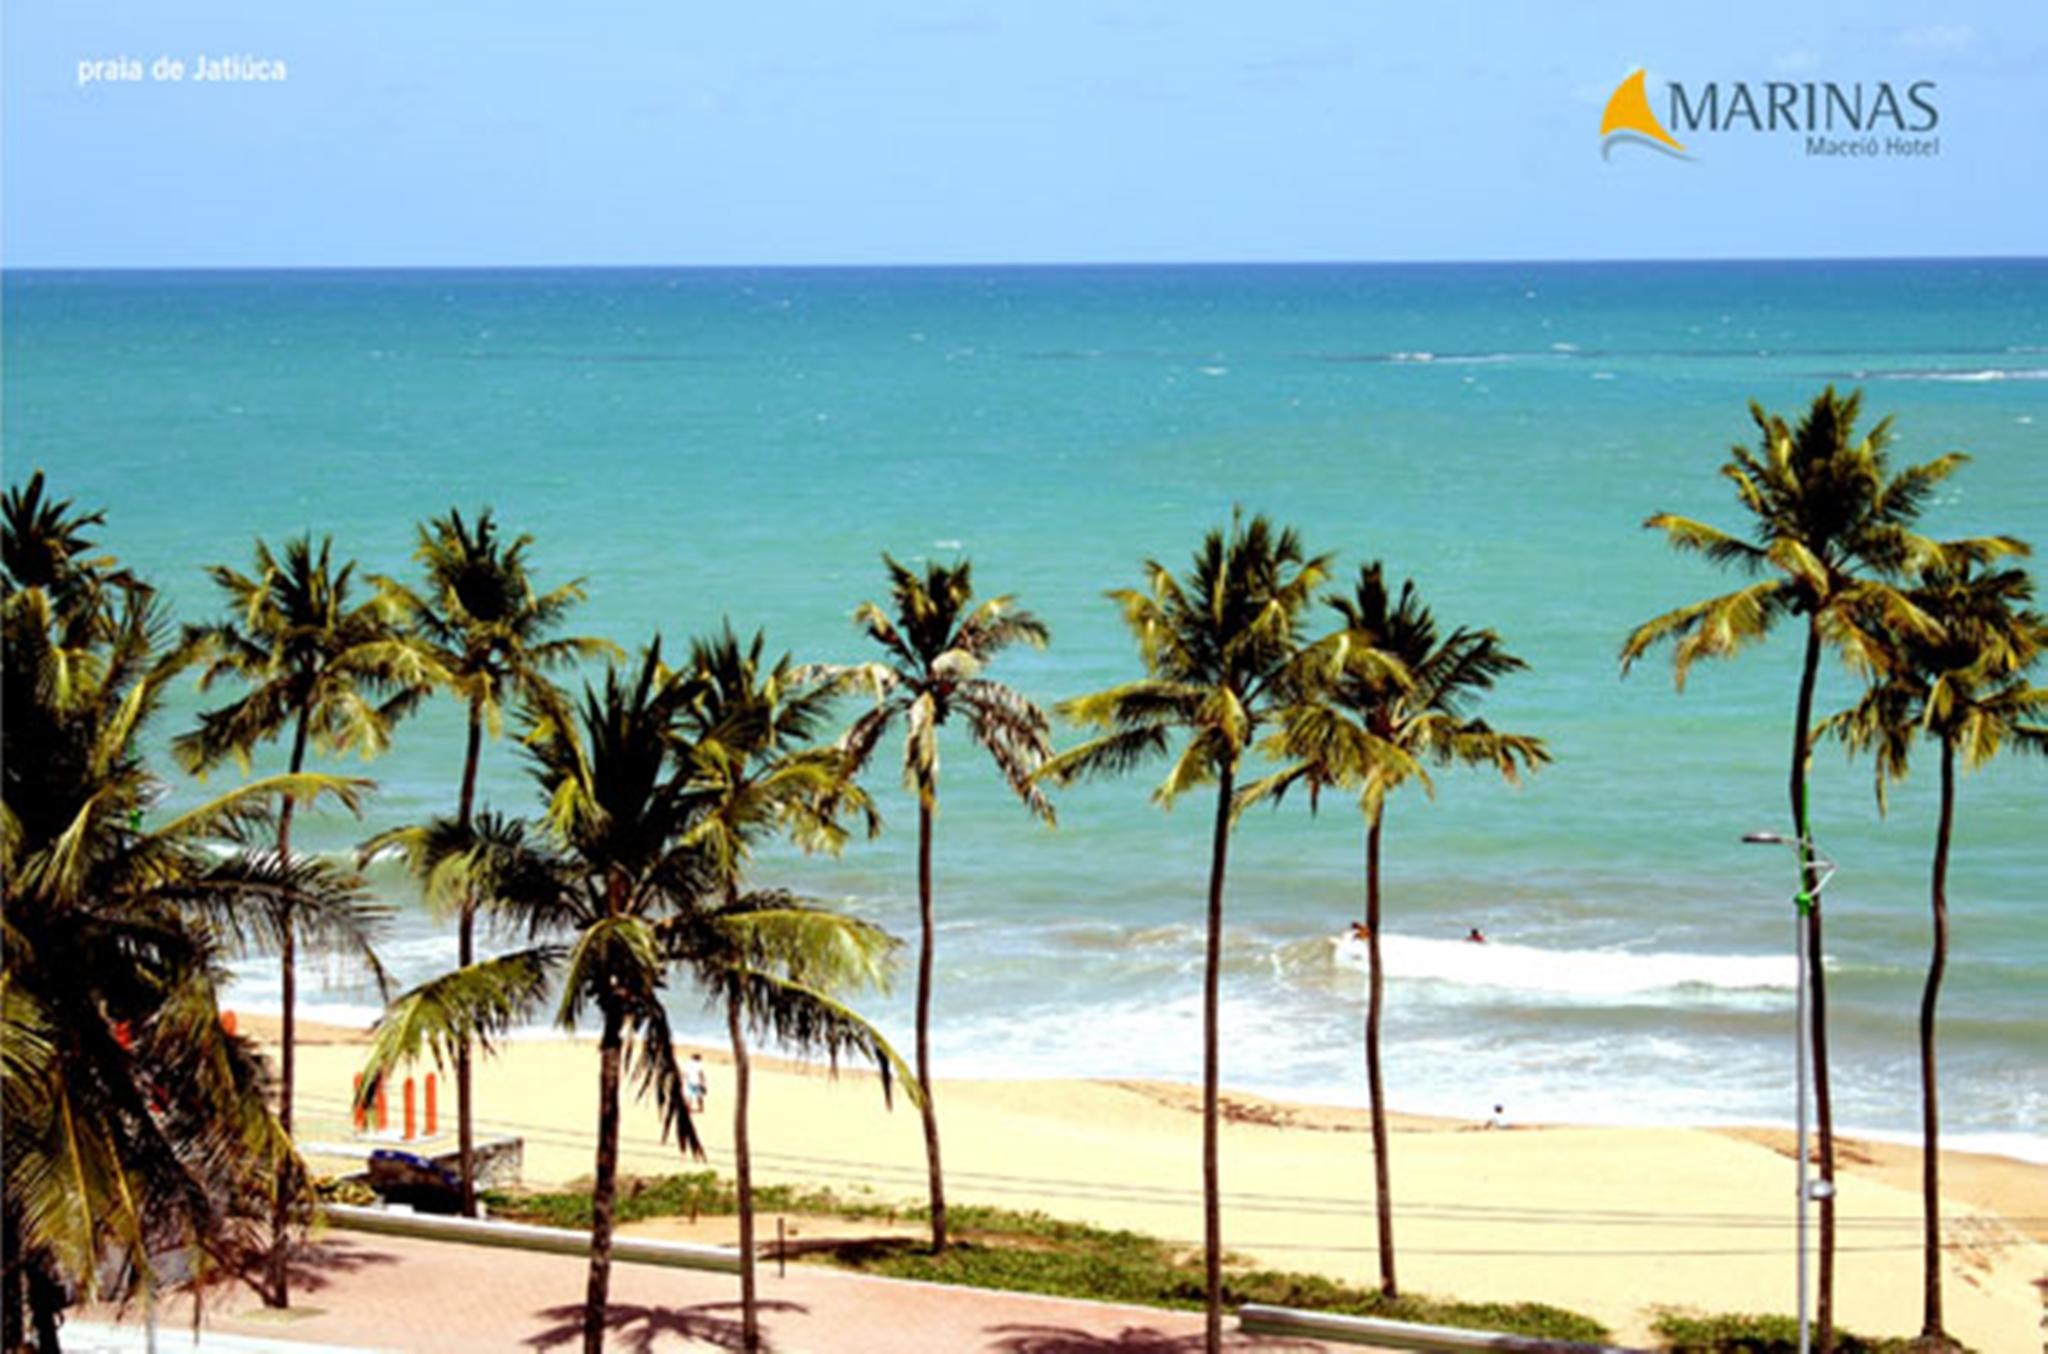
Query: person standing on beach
[[695, 1086]]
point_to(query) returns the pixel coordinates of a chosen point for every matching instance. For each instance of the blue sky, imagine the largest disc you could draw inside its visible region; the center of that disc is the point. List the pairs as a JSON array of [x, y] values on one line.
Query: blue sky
[[465, 133]]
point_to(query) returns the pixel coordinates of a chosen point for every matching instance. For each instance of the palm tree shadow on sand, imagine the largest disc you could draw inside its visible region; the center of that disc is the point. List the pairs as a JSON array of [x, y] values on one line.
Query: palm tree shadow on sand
[[639, 1327], [314, 1264], [1022, 1339]]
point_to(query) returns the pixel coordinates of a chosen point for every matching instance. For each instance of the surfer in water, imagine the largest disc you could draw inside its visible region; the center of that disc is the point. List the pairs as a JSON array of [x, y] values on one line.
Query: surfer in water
[[1474, 937]]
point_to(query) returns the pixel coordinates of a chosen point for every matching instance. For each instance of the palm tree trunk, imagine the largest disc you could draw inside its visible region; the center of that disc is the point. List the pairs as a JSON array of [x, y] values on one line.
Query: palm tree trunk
[[605, 1187], [279, 1294], [13, 1274], [1930, 1118], [743, 1174], [929, 1110], [45, 1305], [1375, 1003], [1823, 1100], [465, 1126], [1212, 1199]]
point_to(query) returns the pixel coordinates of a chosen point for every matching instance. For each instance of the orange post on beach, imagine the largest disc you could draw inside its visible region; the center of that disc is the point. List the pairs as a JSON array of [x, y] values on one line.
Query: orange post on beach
[[355, 1104], [383, 1108], [410, 1123], [432, 1117]]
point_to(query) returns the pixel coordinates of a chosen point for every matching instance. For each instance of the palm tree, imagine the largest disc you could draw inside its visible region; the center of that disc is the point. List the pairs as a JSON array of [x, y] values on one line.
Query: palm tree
[[486, 630], [778, 964], [1372, 730], [746, 736], [138, 1130], [336, 675], [603, 868], [1833, 529], [627, 869], [938, 643], [1967, 690], [47, 549], [1221, 649]]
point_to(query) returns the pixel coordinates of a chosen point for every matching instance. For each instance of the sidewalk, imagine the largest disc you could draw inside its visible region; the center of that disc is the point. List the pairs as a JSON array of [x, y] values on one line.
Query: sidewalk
[[386, 1293]]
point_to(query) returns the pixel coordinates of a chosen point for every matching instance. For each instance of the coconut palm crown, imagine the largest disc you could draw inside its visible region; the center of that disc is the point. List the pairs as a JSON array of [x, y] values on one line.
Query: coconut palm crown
[[486, 630], [1371, 727], [1832, 532], [1222, 649], [139, 1146], [332, 674], [1967, 689], [623, 886], [938, 642]]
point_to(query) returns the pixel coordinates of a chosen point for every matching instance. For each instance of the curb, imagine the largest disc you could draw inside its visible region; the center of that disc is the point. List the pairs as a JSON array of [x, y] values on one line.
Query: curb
[[1380, 1333], [526, 1237]]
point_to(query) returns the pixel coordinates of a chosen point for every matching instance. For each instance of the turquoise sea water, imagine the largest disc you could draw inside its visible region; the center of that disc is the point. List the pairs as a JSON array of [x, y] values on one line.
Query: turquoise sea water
[[703, 444]]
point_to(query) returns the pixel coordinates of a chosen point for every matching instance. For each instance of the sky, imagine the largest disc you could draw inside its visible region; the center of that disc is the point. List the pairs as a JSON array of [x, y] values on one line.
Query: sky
[[461, 133]]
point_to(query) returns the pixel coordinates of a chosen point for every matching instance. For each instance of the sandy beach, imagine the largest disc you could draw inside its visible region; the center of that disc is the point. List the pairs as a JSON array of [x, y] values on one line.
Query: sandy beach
[[1614, 1222]]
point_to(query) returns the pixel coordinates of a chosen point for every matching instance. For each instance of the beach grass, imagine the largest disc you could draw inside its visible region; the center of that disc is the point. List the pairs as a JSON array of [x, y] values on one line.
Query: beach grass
[[1033, 1252], [1755, 1333]]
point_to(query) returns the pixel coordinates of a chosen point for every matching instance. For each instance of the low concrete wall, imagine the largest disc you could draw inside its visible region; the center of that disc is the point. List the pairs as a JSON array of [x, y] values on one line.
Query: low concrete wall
[[499, 1162], [521, 1236], [1256, 1318]]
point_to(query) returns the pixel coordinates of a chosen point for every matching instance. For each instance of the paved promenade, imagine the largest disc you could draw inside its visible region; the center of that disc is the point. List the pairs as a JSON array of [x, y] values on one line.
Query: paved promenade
[[365, 1292]]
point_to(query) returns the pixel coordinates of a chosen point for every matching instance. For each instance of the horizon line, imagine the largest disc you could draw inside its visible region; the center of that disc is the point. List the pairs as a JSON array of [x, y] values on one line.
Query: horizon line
[[1015, 265]]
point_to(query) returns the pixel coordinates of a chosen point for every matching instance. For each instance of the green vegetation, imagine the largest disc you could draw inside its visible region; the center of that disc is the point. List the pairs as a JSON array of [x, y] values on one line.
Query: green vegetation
[[1968, 690], [486, 632], [656, 788], [938, 647], [1833, 533], [1401, 700], [1748, 1333], [1222, 652], [136, 1126], [323, 672], [691, 1194], [1031, 1252]]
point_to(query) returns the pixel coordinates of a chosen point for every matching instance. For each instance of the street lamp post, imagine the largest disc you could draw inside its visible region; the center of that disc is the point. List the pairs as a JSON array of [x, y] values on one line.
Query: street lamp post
[[1815, 873]]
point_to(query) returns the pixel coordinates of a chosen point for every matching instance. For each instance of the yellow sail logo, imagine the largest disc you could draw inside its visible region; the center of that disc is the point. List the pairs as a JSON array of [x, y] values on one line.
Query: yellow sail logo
[[1629, 118]]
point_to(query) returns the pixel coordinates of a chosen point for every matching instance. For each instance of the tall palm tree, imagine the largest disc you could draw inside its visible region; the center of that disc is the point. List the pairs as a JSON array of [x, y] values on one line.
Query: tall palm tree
[[1833, 529], [138, 1130], [1221, 648], [330, 672], [47, 549], [622, 872], [487, 631], [1371, 730], [938, 642], [1969, 691], [594, 877], [747, 737], [779, 965]]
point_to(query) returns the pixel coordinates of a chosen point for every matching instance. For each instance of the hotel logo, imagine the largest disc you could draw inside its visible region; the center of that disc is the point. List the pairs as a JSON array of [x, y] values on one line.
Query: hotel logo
[[1630, 119], [1861, 120]]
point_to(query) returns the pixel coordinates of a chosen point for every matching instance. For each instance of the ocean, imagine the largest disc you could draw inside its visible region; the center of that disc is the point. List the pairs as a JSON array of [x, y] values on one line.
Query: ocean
[[709, 444]]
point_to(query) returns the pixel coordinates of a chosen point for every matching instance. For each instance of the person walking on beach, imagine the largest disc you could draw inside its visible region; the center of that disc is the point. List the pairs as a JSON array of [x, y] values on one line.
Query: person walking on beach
[[695, 1087]]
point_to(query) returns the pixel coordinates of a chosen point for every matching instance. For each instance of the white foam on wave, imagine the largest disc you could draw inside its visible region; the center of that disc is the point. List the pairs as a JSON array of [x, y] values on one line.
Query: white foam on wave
[[1577, 973], [1970, 377]]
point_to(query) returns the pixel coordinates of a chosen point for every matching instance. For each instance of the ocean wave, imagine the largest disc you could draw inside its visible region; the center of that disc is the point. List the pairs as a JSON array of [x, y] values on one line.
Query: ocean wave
[[1581, 974], [1972, 377], [1445, 359]]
